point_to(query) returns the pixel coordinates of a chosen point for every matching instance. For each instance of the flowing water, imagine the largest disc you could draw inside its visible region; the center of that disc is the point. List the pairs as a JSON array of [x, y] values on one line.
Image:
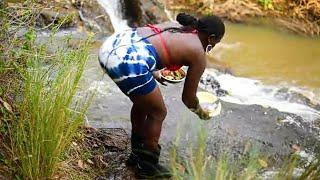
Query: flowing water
[[265, 63], [272, 56], [113, 8]]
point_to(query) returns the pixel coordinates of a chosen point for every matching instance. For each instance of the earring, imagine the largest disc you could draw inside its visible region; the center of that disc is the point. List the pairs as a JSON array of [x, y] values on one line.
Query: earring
[[209, 48]]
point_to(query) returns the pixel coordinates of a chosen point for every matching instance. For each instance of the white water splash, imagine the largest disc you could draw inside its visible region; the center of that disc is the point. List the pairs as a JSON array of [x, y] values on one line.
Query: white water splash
[[101, 87], [113, 8], [249, 91]]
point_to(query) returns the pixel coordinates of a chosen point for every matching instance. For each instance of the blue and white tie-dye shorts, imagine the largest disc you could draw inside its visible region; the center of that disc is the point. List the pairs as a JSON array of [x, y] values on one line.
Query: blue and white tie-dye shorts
[[129, 60]]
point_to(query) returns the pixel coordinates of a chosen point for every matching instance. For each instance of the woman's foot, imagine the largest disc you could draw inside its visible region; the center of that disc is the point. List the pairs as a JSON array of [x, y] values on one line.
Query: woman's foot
[[148, 166]]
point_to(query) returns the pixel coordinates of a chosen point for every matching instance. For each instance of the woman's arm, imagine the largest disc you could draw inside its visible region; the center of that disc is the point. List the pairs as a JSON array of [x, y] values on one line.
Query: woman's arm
[[196, 68], [189, 98]]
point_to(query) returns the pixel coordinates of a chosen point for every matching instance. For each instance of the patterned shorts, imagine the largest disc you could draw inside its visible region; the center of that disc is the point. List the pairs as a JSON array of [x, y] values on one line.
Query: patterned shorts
[[129, 60]]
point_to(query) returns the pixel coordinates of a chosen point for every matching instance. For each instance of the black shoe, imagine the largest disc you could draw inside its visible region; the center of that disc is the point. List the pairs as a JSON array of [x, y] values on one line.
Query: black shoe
[[136, 145], [132, 160], [148, 166], [152, 171]]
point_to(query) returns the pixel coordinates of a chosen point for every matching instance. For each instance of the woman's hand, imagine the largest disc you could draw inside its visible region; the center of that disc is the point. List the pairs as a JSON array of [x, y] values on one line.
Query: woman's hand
[[202, 113], [157, 76]]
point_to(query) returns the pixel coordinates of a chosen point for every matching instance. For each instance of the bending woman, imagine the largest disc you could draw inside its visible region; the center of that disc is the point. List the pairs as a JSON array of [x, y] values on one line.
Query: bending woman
[[132, 57]]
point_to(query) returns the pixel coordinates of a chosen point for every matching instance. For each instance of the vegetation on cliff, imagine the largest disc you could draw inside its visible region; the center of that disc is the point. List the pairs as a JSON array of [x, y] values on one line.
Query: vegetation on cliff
[[300, 16]]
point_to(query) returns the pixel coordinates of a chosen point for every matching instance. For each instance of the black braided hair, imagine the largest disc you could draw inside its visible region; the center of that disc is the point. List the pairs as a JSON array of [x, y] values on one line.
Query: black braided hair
[[209, 25], [187, 20]]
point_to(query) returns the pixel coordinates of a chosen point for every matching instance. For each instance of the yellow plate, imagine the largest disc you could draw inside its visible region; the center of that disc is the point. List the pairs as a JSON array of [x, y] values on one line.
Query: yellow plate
[[205, 97], [209, 102]]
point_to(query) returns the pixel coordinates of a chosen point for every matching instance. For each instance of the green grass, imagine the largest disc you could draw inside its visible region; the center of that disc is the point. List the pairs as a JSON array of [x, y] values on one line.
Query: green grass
[[47, 114], [198, 165]]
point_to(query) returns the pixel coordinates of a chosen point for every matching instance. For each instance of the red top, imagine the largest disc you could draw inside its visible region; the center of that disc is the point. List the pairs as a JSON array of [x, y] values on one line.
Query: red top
[[166, 50]]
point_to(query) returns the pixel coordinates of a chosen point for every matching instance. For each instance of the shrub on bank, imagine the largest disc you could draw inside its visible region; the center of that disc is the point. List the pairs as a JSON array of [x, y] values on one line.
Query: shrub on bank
[[40, 111]]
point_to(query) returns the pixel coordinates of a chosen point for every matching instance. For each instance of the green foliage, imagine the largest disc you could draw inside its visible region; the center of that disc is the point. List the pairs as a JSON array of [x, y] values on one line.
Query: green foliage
[[47, 113], [267, 4], [200, 166]]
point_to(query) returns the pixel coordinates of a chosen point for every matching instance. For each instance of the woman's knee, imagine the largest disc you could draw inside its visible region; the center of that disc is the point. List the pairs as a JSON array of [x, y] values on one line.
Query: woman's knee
[[158, 113]]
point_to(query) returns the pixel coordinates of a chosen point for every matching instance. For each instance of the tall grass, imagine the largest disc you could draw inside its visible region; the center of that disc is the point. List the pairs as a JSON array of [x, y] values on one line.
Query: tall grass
[[198, 165], [48, 118], [47, 113]]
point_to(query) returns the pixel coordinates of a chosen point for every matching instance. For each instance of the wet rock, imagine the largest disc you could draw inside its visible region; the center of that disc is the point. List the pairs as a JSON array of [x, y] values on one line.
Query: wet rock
[[153, 12], [209, 82], [221, 92], [94, 17], [132, 12], [142, 12], [282, 94], [56, 16], [295, 97]]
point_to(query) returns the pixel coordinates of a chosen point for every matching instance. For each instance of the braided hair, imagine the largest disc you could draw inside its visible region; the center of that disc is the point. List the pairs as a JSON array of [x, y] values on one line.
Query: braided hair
[[208, 24]]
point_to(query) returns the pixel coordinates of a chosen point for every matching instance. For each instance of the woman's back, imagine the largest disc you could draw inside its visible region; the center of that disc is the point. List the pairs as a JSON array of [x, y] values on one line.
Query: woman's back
[[180, 45]]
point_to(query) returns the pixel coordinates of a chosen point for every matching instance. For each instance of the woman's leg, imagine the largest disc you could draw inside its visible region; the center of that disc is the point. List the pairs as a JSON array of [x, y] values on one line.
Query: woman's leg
[[153, 105], [148, 154], [138, 117]]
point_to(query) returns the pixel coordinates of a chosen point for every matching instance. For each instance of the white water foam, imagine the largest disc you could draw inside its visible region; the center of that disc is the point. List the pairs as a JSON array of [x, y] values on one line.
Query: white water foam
[[248, 91], [113, 8]]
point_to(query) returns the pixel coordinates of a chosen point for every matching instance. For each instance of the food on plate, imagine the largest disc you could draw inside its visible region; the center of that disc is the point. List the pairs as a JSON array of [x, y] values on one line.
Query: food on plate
[[173, 75]]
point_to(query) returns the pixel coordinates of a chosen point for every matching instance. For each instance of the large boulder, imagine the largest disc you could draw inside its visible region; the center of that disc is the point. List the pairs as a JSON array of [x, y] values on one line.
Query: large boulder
[[142, 12], [57, 13], [154, 11], [94, 17]]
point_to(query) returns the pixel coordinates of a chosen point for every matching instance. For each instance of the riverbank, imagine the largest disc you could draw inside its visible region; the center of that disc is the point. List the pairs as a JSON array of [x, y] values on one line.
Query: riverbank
[[300, 16]]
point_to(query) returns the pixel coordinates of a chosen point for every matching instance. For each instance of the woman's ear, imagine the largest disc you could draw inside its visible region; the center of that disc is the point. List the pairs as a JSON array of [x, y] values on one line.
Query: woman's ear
[[212, 38]]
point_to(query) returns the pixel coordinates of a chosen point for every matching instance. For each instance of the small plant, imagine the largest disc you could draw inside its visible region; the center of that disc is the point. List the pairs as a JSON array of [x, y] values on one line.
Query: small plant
[[267, 4], [198, 165]]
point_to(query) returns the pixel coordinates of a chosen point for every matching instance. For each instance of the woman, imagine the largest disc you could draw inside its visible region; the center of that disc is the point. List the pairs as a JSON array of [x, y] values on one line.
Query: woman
[[132, 58]]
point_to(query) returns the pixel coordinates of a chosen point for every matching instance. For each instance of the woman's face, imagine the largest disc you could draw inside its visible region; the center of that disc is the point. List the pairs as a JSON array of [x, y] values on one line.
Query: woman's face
[[212, 41]]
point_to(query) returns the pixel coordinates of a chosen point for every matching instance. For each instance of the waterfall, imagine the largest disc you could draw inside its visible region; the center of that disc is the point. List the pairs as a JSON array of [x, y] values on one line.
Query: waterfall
[[113, 9]]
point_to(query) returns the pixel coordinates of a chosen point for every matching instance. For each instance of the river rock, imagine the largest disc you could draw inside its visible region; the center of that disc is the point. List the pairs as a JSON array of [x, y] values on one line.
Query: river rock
[[132, 11], [295, 97], [142, 12], [153, 12], [66, 16], [94, 17]]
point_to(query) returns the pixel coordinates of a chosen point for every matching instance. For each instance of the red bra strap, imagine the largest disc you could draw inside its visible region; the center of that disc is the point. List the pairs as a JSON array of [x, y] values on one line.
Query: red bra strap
[[163, 44]]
